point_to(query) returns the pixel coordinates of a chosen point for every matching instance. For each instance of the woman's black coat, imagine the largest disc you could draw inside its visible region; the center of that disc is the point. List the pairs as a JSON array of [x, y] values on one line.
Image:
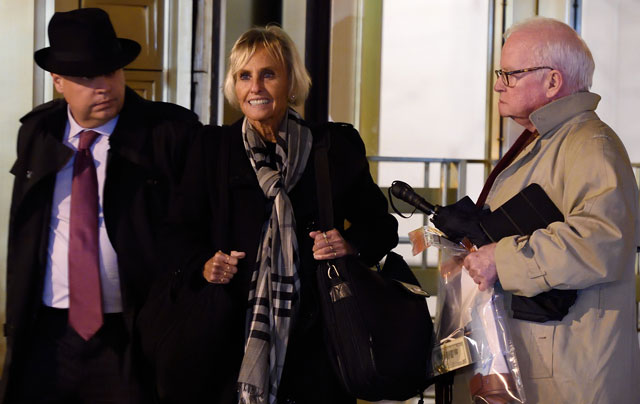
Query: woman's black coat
[[221, 207]]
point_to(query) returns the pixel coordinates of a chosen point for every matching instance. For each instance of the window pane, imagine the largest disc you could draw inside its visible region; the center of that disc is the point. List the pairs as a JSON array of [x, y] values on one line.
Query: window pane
[[611, 29], [433, 83]]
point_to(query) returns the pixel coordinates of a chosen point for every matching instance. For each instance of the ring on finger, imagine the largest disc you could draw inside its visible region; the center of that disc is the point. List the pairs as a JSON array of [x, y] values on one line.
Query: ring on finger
[[334, 254], [330, 247]]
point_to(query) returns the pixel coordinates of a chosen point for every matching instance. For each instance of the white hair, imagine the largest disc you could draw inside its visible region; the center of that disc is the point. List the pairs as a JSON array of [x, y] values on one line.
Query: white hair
[[560, 47]]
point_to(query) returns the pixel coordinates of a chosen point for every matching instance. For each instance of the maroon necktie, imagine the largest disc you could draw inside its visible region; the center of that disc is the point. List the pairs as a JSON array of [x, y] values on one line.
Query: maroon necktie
[[85, 296], [521, 142]]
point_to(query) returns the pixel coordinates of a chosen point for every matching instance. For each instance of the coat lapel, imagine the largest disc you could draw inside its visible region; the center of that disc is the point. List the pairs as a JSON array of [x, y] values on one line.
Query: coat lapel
[[131, 134], [129, 160], [241, 173]]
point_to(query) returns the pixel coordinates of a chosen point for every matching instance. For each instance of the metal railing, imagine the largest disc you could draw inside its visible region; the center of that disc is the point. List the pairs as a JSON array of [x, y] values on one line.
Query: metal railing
[[453, 176], [445, 169], [450, 187]]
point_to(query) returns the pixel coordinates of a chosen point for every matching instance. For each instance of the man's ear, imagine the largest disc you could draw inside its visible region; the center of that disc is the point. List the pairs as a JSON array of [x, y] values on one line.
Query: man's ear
[[58, 82], [554, 83]]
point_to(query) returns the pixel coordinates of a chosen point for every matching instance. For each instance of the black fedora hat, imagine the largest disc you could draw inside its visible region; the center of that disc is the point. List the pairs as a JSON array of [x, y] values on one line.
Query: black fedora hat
[[84, 43]]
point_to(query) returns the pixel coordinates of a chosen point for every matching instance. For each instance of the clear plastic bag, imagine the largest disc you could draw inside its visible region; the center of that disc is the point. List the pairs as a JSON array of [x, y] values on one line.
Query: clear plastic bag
[[471, 326]]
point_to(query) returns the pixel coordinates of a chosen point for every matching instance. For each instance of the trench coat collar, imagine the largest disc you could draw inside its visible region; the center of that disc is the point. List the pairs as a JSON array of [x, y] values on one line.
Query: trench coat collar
[[131, 135], [548, 118], [561, 110], [46, 155]]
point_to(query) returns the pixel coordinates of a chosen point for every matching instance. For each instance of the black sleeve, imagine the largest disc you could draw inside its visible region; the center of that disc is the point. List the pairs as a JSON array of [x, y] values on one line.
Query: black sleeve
[[190, 217], [371, 229]]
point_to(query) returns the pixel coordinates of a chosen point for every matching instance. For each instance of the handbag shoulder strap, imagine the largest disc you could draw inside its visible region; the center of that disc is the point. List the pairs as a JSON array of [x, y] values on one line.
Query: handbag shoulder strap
[[221, 236], [323, 180]]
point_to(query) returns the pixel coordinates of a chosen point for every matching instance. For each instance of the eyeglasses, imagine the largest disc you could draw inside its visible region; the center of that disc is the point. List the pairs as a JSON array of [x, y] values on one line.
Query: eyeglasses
[[510, 82]]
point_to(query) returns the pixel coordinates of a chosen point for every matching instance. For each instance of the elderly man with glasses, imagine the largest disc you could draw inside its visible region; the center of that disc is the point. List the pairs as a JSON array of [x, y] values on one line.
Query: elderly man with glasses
[[591, 354]]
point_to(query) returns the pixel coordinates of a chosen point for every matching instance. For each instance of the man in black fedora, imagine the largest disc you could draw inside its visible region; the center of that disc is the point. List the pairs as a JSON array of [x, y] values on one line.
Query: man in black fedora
[[92, 179]]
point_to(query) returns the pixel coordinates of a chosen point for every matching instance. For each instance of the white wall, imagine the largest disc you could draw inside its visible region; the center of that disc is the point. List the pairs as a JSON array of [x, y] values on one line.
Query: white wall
[[16, 82], [611, 29]]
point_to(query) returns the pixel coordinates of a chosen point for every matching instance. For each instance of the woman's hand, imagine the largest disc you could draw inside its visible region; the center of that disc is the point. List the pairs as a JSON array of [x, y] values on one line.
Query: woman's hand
[[329, 245], [222, 267]]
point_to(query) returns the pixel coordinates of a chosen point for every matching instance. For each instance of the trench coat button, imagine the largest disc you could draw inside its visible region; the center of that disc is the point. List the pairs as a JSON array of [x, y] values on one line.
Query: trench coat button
[[29, 173]]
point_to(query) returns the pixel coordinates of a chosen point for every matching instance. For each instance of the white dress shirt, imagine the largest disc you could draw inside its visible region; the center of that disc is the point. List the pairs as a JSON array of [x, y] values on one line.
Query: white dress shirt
[[56, 283]]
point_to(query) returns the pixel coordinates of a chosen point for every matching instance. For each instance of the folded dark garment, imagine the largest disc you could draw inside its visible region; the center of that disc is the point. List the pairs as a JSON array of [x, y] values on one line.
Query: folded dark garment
[[530, 210]]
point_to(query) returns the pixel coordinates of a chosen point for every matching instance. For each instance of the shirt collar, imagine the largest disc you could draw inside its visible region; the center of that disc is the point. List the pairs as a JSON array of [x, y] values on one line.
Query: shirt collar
[[556, 112], [75, 128]]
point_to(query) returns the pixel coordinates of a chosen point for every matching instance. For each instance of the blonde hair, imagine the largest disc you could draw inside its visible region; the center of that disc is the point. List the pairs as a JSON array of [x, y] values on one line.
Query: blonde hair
[[281, 48]]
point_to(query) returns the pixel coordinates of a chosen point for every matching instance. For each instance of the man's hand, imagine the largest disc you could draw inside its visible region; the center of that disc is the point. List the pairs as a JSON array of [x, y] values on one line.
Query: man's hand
[[481, 265]]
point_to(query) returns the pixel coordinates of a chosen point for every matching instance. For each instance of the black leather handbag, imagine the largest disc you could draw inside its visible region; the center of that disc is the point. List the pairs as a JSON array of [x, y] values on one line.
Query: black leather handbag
[[377, 325]]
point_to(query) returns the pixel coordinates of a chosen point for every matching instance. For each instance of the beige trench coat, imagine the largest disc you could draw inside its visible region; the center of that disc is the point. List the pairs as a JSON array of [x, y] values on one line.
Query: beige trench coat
[[592, 355]]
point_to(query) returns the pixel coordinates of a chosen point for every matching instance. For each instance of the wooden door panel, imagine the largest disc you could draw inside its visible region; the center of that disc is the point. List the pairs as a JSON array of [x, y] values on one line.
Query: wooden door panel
[[147, 84], [140, 20]]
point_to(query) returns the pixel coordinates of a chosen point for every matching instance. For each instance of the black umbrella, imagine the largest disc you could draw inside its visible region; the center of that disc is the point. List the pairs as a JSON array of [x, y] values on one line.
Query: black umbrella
[[456, 221]]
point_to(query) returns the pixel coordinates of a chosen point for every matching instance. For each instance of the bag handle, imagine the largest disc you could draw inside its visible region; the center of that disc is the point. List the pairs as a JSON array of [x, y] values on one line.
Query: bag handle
[[221, 236], [324, 197]]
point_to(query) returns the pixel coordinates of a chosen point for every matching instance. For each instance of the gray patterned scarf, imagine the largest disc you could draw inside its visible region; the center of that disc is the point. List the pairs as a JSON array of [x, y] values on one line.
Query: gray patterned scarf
[[275, 283]]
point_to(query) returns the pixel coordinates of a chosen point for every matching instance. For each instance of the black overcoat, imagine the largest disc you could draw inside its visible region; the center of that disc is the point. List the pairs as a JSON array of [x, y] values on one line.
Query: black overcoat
[[146, 156], [223, 208]]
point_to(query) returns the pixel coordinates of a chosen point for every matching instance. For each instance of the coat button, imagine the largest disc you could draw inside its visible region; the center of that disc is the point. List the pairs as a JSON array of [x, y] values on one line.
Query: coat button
[[29, 174]]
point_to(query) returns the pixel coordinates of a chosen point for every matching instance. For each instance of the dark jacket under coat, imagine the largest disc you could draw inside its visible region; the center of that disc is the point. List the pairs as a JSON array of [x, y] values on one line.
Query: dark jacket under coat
[[197, 358], [146, 156]]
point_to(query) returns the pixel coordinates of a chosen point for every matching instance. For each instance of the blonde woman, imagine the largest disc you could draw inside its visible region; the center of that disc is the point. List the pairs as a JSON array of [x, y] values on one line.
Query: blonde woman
[[248, 213]]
